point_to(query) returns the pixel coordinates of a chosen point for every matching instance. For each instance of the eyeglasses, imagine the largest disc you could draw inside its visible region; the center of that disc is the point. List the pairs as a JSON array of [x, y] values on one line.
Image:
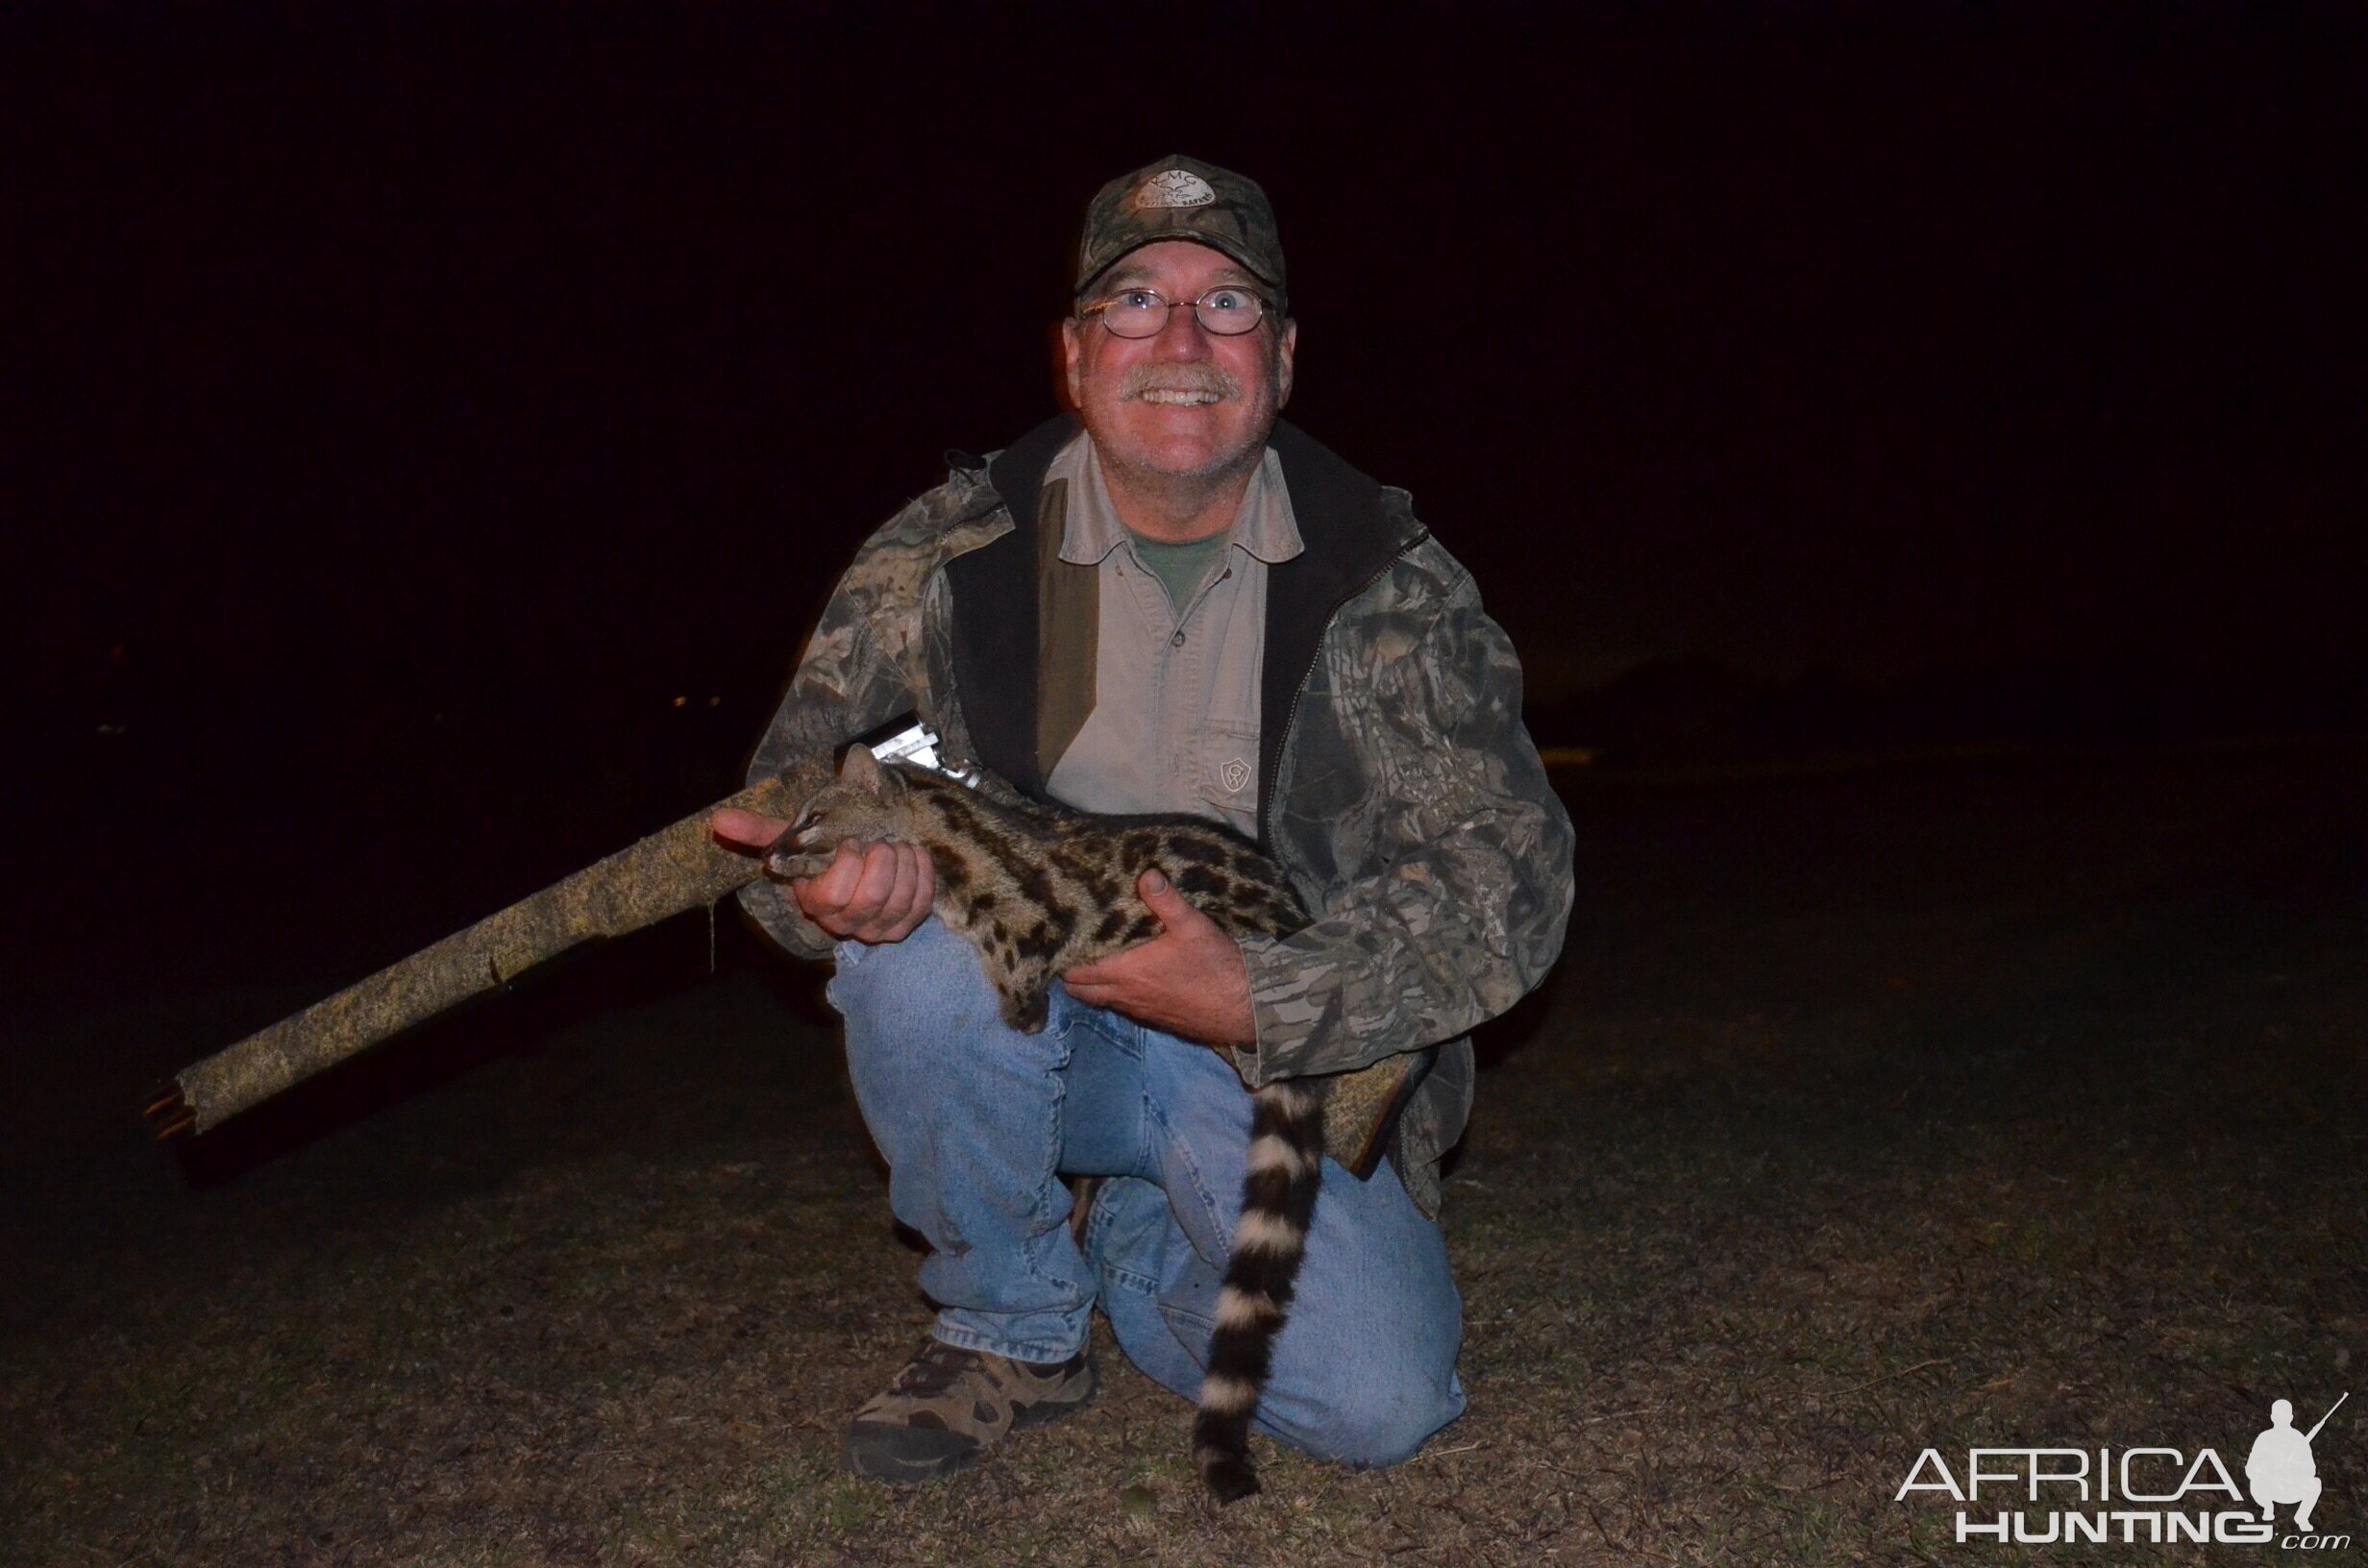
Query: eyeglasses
[[1227, 311]]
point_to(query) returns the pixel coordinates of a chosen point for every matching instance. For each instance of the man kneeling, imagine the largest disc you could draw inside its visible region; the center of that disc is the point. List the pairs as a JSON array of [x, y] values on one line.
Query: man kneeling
[[1171, 600]]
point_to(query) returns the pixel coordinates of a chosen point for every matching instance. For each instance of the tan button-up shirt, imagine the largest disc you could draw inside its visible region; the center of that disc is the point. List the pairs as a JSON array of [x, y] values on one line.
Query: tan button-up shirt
[[1174, 718]]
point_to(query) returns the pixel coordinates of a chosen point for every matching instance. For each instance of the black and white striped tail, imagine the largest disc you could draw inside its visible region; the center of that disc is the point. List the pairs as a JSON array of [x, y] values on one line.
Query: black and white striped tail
[[1278, 1197]]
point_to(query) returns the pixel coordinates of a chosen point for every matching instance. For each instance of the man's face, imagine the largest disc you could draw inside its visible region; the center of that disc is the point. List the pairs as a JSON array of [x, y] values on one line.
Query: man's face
[[1147, 401]]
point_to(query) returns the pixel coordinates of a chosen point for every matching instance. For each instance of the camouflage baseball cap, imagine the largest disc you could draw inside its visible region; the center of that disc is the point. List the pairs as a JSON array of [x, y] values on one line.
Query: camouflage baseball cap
[[1181, 198]]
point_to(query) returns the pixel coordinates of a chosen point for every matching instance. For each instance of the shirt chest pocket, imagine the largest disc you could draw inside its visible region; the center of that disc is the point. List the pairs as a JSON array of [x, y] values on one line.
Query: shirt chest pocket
[[1225, 760]]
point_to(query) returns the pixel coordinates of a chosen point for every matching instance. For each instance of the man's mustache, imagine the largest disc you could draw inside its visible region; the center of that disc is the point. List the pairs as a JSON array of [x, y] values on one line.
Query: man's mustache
[[1196, 376]]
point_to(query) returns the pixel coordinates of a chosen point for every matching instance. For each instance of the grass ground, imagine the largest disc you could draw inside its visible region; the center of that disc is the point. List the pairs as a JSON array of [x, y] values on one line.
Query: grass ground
[[1990, 1103]]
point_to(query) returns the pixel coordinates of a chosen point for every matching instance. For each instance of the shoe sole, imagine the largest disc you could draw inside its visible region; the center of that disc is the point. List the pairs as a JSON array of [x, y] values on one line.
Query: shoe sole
[[876, 1463]]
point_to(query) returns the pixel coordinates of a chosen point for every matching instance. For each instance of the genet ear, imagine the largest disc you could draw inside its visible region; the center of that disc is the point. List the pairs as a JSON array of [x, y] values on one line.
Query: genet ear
[[860, 769]]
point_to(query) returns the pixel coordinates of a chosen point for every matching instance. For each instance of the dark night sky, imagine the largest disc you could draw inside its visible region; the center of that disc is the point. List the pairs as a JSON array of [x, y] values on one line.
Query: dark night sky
[[533, 367]]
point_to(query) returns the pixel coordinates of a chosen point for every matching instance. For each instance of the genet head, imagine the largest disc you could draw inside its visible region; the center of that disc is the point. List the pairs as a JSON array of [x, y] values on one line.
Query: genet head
[[860, 804]]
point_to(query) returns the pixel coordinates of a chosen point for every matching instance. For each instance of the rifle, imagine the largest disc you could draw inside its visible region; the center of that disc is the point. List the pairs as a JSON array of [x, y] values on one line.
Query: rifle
[[675, 868]]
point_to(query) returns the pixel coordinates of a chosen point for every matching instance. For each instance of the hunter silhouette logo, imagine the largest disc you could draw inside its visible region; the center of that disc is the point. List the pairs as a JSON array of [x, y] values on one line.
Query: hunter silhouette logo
[[2280, 1470], [2159, 1496]]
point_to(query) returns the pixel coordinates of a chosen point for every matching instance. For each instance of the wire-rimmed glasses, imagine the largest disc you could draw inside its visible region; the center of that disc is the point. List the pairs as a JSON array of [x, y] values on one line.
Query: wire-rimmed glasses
[[1227, 311]]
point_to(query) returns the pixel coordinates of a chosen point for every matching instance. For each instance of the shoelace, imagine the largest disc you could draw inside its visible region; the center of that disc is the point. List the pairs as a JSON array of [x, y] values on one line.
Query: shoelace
[[933, 1371]]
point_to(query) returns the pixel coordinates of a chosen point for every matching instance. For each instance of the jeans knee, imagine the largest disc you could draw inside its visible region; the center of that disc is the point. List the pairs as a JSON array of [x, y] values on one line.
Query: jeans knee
[[1375, 1410], [862, 972], [932, 973], [1380, 1421]]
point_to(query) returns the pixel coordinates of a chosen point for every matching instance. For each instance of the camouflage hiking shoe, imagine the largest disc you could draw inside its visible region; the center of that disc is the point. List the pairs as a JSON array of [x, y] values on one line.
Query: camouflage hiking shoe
[[949, 1403]]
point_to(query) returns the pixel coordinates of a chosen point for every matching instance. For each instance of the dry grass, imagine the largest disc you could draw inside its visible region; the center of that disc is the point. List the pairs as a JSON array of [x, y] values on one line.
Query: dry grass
[[2010, 1104]]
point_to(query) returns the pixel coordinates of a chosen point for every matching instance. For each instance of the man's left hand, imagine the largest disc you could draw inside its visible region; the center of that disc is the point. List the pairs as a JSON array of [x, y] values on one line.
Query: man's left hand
[[1188, 980]]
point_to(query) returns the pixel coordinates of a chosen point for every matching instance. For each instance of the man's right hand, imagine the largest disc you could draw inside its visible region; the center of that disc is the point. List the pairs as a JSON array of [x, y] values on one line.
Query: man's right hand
[[870, 892]]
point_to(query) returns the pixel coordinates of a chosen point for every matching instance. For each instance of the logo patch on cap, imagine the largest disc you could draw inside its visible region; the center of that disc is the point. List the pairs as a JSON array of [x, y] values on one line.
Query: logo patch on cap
[[1173, 187]]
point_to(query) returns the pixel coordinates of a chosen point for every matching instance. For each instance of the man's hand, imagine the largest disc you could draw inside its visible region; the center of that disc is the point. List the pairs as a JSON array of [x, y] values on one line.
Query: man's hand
[[872, 893], [1188, 980]]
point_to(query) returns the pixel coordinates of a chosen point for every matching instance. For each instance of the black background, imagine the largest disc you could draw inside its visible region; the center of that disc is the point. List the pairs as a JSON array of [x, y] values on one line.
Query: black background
[[411, 404]]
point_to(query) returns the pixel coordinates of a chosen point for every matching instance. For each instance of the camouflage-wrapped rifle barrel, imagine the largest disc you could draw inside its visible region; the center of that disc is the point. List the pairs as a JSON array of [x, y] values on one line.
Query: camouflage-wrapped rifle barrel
[[677, 869]]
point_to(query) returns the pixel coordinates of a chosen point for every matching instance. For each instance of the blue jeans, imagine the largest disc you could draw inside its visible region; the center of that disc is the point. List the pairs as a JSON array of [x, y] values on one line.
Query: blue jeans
[[977, 1122]]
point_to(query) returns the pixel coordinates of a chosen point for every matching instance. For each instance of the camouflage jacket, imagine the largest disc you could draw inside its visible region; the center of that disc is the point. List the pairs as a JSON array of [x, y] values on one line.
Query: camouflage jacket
[[1400, 791]]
